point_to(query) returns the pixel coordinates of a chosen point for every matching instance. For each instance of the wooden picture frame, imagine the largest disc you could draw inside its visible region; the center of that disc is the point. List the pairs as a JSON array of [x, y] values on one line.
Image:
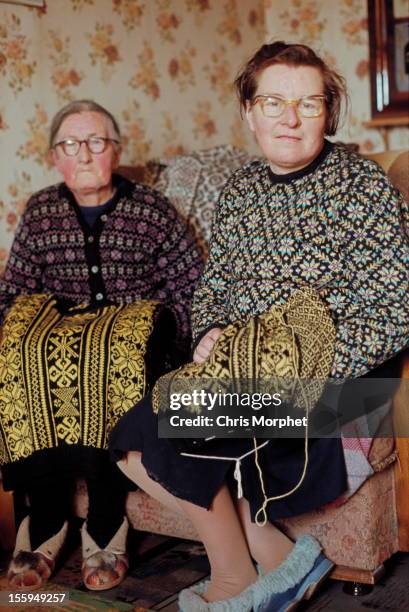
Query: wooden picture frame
[[388, 38]]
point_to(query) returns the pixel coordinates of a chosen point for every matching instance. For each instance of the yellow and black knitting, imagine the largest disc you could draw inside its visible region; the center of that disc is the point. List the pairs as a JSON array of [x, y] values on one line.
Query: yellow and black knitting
[[290, 345], [68, 378], [285, 344]]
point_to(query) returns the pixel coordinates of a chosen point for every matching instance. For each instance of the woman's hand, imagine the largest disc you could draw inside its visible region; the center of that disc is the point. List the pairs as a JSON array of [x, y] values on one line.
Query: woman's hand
[[206, 344]]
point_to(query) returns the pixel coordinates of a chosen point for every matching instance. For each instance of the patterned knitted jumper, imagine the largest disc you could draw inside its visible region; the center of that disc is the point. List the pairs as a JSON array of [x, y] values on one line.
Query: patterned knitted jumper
[[137, 249], [337, 226]]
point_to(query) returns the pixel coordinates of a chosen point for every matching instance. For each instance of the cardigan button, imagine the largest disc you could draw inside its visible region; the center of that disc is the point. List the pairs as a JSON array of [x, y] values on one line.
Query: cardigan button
[[90, 239], [104, 218], [99, 297], [94, 269]]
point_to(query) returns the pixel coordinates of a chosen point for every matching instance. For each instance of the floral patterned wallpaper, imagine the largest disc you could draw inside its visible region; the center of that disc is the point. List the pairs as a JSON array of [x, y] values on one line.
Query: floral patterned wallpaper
[[163, 67]]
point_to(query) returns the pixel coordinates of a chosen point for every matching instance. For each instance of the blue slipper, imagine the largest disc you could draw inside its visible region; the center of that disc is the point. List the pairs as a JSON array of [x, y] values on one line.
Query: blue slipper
[[289, 600], [190, 600], [294, 580]]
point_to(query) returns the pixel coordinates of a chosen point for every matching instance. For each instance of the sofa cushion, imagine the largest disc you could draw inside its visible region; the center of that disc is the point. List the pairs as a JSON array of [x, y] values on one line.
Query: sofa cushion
[[194, 181]]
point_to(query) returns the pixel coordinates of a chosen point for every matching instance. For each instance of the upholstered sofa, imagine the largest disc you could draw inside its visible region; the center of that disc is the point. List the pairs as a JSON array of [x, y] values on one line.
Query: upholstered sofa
[[358, 535]]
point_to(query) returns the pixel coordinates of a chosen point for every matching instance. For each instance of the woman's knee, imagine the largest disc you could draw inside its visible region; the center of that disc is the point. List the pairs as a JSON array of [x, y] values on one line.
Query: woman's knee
[[130, 464]]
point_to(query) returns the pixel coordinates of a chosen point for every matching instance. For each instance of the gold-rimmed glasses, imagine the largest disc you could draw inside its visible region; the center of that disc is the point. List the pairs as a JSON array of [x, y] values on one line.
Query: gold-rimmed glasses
[[274, 106]]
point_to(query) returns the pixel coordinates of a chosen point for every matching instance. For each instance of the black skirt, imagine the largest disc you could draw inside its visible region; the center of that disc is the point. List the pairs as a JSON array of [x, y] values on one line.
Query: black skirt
[[199, 479]]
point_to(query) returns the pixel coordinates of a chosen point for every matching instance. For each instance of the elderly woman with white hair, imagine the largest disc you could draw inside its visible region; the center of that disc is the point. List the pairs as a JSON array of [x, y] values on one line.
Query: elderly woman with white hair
[[99, 239]]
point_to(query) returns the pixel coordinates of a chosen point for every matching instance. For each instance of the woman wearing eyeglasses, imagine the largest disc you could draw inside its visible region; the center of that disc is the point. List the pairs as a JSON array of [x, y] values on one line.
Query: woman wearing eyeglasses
[[311, 214], [95, 238]]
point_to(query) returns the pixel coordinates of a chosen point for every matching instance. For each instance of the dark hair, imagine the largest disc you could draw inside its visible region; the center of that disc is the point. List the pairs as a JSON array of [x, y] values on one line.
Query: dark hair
[[80, 106], [279, 52]]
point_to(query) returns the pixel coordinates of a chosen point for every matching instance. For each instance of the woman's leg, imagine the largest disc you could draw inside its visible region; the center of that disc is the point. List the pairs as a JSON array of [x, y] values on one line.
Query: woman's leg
[[49, 509], [104, 535], [268, 546], [40, 536], [132, 467], [105, 517], [219, 528]]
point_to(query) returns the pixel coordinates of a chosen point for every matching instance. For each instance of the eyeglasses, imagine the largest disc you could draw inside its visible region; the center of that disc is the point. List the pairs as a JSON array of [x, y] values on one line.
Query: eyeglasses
[[274, 106], [95, 144]]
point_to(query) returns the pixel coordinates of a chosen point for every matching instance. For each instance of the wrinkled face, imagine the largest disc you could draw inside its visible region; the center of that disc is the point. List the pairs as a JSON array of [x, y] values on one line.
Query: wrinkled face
[[86, 172], [289, 142]]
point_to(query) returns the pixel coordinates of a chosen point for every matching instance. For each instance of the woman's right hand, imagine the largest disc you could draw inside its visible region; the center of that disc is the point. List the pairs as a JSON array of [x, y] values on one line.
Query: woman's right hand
[[206, 344]]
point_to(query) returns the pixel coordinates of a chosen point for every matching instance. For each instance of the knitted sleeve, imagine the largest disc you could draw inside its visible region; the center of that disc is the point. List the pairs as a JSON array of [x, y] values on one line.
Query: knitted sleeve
[[210, 300], [23, 270], [376, 323]]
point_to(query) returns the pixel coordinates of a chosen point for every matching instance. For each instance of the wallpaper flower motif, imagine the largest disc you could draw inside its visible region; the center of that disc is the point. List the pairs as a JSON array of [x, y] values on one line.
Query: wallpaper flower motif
[[256, 21], [36, 146], [301, 19], [230, 25], [103, 50], [203, 122], [77, 5], [137, 147], [16, 198], [180, 68], [199, 6], [354, 21], [64, 76], [14, 51], [131, 12], [199, 9], [147, 74], [171, 137], [3, 124], [220, 75], [362, 69], [167, 24]]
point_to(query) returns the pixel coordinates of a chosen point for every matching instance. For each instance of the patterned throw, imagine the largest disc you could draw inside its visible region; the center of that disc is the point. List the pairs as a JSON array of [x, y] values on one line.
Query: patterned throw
[[68, 378], [288, 342]]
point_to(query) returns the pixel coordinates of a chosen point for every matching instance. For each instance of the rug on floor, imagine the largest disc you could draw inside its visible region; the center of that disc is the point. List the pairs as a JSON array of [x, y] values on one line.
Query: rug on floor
[[159, 568], [74, 601]]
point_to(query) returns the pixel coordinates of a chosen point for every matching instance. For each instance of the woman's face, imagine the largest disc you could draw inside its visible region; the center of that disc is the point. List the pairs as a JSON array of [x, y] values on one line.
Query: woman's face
[[289, 142], [87, 174]]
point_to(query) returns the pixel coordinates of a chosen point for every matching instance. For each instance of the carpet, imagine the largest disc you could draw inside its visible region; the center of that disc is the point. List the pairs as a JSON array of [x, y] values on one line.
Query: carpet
[[159, 568], [74, 601]]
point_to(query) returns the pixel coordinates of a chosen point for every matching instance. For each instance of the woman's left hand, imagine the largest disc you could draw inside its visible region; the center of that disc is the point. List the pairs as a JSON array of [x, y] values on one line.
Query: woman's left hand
[[206, 344]]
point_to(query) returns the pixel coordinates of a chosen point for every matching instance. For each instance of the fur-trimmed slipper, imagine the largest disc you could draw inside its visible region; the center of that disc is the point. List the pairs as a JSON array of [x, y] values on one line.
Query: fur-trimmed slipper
[[295, 580], [191, 600], [103, 569], [28, 570]]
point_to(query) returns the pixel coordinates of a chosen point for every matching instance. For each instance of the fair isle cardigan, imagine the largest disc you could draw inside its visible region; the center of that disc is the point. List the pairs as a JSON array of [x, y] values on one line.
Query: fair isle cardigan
[[337, 226], [137, 249]]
